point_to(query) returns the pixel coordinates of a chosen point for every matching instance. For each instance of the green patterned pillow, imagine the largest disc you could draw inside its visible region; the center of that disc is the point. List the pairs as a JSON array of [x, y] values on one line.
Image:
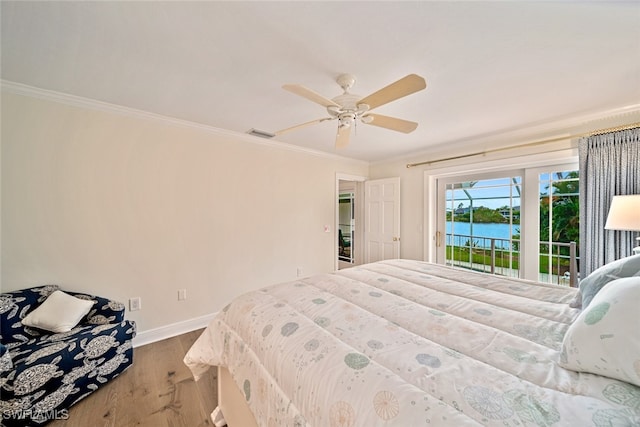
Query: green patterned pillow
[[604, 339], [624, 267]]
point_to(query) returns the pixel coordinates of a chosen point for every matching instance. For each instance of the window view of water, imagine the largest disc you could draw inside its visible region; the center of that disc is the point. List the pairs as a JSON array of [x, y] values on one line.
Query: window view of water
[[495, 230], [482, 217]]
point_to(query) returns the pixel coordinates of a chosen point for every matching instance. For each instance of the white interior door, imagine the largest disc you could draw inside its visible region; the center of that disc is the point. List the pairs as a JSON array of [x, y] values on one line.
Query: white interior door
[[382, 219]]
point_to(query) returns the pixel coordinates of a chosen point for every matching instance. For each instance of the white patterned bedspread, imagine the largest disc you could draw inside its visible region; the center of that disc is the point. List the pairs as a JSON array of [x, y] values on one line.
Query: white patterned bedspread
[[408, 343]]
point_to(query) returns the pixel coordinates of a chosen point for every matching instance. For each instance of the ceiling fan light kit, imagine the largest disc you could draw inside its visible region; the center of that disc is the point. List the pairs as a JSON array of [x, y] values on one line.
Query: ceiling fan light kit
[[350, 108]]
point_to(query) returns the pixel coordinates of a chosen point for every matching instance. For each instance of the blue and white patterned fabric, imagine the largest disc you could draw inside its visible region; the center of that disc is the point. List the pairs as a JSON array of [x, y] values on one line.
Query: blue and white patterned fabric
[[43, 373]]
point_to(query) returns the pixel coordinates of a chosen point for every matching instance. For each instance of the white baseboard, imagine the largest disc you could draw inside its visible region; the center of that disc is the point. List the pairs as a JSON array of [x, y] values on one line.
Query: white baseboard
[[168, 331]]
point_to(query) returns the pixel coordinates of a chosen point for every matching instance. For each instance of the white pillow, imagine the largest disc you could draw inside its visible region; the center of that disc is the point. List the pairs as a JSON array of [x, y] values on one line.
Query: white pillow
[[59, 313], [624, 267], [604, 339]]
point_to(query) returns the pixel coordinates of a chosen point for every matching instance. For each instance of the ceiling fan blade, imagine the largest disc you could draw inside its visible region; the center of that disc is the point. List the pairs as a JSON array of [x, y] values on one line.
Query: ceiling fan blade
[[310, 95], [342, 138], [403, 87], [302, 125], [392, 123]]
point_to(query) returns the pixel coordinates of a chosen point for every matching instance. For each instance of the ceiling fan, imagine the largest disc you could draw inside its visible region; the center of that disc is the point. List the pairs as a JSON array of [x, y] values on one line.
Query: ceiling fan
[[349, 108]]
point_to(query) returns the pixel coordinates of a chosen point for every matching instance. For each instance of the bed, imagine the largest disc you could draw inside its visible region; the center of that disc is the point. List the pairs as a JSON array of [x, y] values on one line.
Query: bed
[[410, 343]]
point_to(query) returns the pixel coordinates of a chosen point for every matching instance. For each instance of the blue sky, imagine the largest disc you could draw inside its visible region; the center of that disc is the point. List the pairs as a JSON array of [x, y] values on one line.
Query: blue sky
[[495, 193]]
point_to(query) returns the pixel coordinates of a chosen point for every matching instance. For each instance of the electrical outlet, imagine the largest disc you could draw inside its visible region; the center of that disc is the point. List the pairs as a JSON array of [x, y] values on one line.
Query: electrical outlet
[[299, 271], [135, 304], [182, 294]]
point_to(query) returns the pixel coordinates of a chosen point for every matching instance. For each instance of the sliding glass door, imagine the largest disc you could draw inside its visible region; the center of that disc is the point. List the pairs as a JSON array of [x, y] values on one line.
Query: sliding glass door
[[518, 223], [559, 215]]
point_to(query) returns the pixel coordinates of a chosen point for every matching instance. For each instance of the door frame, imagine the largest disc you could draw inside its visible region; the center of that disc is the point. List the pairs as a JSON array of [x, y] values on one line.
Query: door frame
[[529, 163], [358, 239]]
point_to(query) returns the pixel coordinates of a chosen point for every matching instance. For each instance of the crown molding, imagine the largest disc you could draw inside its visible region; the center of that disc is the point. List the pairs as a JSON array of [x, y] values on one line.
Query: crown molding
[[92, 104]]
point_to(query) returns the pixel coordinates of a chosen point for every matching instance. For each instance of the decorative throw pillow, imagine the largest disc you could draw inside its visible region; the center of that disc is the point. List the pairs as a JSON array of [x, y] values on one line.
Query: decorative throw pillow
[[604, 339], [624, 267], [60, 312]]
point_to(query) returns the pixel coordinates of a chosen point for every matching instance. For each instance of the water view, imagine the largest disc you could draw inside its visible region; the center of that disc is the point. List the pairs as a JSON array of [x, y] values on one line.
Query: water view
[[483, 216], [479, 230]]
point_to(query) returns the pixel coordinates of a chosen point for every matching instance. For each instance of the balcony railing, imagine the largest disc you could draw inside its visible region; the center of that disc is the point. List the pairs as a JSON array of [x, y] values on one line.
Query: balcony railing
[[502, 256], [560, 263]]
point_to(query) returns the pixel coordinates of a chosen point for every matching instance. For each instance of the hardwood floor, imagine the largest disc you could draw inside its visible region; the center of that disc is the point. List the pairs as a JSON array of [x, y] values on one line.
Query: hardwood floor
[[157, 391]]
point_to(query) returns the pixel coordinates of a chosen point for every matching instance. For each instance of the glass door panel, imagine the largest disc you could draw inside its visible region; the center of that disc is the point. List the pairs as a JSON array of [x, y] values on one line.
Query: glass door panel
[[559, 227], [483, 224]]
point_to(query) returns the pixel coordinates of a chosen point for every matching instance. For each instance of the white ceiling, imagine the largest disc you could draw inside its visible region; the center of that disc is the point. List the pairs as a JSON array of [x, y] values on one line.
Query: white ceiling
[[491, 67]]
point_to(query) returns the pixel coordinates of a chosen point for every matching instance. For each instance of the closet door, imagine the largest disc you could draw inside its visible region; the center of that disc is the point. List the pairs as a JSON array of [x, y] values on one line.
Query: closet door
[[382, 219]]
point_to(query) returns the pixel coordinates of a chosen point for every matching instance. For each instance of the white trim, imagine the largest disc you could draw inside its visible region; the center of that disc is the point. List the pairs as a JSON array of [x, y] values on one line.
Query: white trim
[[359, 216], [80, 102], [564, 152], [168, 331], [429, 220], [349, 177]]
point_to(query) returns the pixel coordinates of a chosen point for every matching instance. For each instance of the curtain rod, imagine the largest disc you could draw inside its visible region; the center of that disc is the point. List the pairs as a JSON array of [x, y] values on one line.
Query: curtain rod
[[529, 144]]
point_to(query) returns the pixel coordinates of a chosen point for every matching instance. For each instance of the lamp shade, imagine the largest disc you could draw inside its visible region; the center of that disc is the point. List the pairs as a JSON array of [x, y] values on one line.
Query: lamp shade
[[624, 213]]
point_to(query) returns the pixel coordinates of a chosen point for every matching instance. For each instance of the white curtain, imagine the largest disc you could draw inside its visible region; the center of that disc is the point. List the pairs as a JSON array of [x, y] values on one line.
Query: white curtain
[[609, 166]]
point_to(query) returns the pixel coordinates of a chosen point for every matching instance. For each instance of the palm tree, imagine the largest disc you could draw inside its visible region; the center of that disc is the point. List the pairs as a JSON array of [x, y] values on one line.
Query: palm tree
[[565, 211]]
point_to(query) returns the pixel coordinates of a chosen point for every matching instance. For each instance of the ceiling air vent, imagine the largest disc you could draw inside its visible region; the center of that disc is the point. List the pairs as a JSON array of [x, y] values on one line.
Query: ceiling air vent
[[260, 133]]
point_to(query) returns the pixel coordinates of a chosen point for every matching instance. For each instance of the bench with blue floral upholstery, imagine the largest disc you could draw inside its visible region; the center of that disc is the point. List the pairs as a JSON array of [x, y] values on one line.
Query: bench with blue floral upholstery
[[55, 349]]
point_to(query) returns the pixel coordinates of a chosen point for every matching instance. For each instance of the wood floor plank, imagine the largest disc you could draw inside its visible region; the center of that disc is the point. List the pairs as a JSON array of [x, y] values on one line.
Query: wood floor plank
[[157, 391], [207, 386], [144, 404]]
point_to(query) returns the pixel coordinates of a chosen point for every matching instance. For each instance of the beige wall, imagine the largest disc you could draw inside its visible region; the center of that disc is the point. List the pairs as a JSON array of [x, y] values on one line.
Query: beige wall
[[126, 205], [123, 206]]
